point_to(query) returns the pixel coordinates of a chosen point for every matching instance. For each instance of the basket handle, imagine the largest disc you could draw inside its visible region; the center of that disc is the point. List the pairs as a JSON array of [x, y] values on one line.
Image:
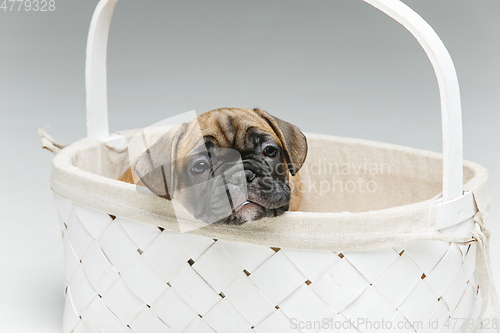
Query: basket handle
[[451, 116]]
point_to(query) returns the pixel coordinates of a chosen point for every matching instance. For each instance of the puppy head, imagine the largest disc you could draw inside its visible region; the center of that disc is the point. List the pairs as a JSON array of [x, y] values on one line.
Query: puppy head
[[227, 165]]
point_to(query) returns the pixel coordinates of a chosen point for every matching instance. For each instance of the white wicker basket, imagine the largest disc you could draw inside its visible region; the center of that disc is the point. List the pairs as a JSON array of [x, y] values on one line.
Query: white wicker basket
[[405, 262]]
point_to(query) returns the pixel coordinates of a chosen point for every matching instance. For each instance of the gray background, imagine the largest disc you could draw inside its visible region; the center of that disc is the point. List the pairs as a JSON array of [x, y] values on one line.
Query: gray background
[[329, 66]]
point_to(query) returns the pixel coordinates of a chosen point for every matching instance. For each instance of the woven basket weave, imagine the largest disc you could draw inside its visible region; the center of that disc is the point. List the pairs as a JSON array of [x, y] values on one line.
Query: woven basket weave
[[405, 262], [122, 273]]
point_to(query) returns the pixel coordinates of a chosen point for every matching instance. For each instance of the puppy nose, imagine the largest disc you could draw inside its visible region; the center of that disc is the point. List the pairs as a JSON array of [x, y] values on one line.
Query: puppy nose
[[249, 175], [239, 177]]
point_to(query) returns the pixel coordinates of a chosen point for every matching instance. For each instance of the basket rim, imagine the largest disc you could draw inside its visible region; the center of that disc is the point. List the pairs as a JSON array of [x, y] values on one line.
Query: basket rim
[[305, 230]]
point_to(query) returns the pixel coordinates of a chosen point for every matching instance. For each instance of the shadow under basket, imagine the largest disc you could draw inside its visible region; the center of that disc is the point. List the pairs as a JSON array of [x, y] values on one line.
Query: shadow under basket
[[352, 258]]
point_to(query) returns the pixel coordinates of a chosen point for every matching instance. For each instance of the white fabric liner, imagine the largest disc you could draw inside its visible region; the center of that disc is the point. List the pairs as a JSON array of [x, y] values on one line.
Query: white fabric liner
[[400, 211]]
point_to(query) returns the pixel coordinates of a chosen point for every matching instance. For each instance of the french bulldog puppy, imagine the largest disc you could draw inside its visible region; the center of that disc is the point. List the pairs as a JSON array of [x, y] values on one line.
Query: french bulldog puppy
[[228, 165]]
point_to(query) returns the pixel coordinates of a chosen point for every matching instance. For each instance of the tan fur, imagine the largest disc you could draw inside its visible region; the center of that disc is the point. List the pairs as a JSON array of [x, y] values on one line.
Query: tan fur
[[127, 176], [296, 195]]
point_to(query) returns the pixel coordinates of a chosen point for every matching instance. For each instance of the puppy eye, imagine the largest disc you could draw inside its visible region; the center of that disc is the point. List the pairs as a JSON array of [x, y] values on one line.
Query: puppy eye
[[200, 167], [270, 151]]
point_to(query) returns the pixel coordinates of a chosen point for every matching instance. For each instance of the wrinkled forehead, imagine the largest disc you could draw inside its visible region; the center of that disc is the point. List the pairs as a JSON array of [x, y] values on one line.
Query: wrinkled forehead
[[241, 130]]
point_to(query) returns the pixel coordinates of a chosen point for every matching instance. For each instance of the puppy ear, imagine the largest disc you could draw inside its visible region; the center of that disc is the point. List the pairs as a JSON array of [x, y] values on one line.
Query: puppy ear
[[292, 140], [156, 166]]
